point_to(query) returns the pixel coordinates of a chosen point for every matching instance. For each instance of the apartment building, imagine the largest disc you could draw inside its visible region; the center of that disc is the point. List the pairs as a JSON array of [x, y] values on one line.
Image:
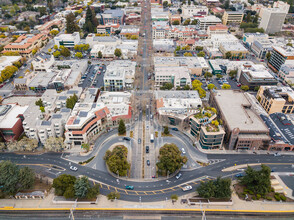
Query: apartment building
[[260, 48], [11, 118], [232, 17], [272, 20], [283, 6], [217, 29], [119, 75], [25, 44], [279, 56], [286, 72], [210, 20], [243, 126], [276, 99], [249, 38], [255, 75], [191, 11], [113, 16], [67, 40]]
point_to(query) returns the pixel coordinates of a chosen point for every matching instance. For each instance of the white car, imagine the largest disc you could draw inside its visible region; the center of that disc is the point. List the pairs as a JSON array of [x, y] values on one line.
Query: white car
[[178, 176], [73, 168], [183, 151], [187, 188]]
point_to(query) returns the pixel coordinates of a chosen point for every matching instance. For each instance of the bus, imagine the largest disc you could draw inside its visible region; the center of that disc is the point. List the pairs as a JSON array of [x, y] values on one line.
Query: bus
[[151, 138]]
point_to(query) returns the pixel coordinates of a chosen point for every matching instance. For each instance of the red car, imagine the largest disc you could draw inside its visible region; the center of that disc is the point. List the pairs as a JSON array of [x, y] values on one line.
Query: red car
[[239, 84]]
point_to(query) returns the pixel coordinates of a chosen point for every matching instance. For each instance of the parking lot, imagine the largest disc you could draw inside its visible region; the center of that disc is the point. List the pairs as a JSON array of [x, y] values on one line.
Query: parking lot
[[217, 82], [93, 77]]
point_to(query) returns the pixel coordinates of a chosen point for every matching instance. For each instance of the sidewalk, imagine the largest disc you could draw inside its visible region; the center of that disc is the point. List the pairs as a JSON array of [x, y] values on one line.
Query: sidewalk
[[118, 204]]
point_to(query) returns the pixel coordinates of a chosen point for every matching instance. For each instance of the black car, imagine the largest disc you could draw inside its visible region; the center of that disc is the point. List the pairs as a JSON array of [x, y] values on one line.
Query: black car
[[147, 149], [148, 162], [127, 138]]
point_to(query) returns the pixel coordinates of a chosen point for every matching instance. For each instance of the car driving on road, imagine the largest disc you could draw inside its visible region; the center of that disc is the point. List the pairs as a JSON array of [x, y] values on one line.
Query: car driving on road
[[178, 176], [73, 168], [148, 162], [130, 187], [187, 188]]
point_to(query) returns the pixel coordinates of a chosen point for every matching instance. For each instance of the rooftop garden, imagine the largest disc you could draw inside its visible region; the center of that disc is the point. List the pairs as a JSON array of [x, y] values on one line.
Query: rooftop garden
[[206, 112], [213, 126]]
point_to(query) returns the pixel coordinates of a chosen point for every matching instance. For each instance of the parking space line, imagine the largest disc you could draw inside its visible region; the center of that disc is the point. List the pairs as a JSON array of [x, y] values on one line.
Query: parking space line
[[115, 189], [94, 183], [108, 187]]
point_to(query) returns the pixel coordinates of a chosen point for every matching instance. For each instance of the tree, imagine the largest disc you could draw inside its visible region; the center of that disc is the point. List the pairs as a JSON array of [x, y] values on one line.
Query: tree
[[71, 101], [194, 22], [49, 50], [187, 22], [245, 88], [116, 160], [164, 4], [170, 159], [81, 187], [211, 86], [257, 181], [55, 47], [227, 4], [134, 37], [228, 55], [42, 109], [166, 131], [117, 52], [91, 21], [27, 29], [121, 127], [174, 198], [56, 53], [226, 86], [79, 55], [113, 195], [196, 85], [100, 55], [39, 103], [86, 146], [167, 86], [219, 76], [54, 144], [54, 32], [176, 22], [201, 54], [179, 11], [186, 87], [64, 183], [71, 25], [93, 192], [268, 55], [233, 73], [219, 188], [9, 176], [65, 52], [42, 11], [188, 54], [207, 75], [26, 178]]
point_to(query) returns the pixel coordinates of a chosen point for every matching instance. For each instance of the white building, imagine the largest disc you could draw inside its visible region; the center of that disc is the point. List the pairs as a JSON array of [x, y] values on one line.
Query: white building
[[189, 11], [283, 6], [217, 29], [204, 22], [249, 38], [217, 39], [272, 20], [164, 45], [119, 75], [67, 40], [8, 61], [43, 62], [177, 76]]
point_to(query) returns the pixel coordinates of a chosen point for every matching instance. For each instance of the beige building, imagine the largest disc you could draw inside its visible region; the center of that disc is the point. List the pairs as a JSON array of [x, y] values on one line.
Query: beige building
[[237, 50], [276, 99], [232, 17]]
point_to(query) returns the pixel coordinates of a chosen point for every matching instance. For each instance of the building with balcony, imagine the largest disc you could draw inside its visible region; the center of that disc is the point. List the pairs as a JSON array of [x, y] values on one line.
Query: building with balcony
[[276, 99], [260, 48], [204, 22], [279, 57], [286, 72], [242, 124], [233, 17]]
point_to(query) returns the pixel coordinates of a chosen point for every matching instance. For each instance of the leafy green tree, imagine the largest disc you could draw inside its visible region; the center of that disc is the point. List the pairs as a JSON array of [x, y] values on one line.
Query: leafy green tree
[[194, 22], [228, 55], [117, 160], [164, 4], [26, 178], [257, 181], [207, 75], [71, 101], [9, 177], [268, 55], [69, 192], [100, 55], [226, 86], [81, 187], [56, 53], [134, 37], [201, 54], [227, 4], [245, 88], [219, 188], [91, 21], [170, 159], [65, 52], [186, 87], [42, 108], [79, 55], [167, 86], [174, 198], [117, 52], [219, 76], [55, 47], [71, 25], [86, 146], [93, 192], [113, 195], [233, 73], [64, 183], [187, 22], [166, 131], [176, 22], [54, 32], [121, 127], [211, 86], [196, 85], [188, 54], [39, 103]]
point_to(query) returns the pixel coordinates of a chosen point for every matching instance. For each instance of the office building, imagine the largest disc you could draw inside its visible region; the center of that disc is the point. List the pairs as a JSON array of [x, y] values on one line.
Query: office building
[[237, 50], [67, 40], [232, 17], [243, 126], [191, 11], [286, 72], [249, 38], [217, 29], [276, 99], [260, 48], [177, 76], [210, 20], [279, 56], [113, 16], [272, 20]]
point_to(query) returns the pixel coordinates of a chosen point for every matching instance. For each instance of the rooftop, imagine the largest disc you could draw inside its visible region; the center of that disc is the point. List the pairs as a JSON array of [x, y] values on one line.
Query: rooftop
[[8, 61], [285, 51], [9, 114], [233, 47]]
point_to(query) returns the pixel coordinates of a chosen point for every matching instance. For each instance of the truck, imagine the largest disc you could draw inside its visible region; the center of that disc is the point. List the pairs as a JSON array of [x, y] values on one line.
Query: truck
[[151, 138]]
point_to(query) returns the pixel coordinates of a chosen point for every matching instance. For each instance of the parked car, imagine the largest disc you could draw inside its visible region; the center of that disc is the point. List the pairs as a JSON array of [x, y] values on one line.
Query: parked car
[[127, 138], [277, 154], [73, 168], [175, 129], [187, 188], [239, 175], [147, 149], [139, 141], [183, 151], [178, 176], [148, 162], [130, 187]]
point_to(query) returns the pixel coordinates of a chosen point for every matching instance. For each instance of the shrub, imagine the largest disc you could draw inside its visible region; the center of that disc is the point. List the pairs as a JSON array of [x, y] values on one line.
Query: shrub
[[258, 196], [246, 190], [277, 197], [253, 197], [269, 198], [87, 161], [250, 192], [272, 190], [283, 198]]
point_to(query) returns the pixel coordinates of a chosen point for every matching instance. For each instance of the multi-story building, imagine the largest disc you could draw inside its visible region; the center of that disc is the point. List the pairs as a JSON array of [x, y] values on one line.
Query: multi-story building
[[11, 118], [236, 49], [217, 39], [67, 40], [279, 56], [276, 99], [283, 6], [272, 20], [25, 44], [286, 72], [175, 107], [6, 61], [107, 29], [196, 65], [232, 17], [255, 75], [43, 62], [217, 29], [114, 16], [260, 48], [249, 38], [177, 76], [243, 126], [204, 22], [119, 75], [224, 66], [191, 11]]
